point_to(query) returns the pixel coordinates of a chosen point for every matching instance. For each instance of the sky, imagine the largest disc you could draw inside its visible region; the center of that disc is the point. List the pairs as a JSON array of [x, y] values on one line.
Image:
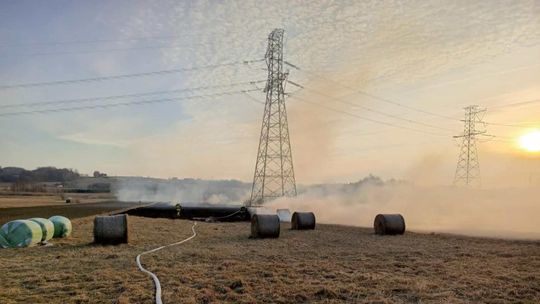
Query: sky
[[420, 63]]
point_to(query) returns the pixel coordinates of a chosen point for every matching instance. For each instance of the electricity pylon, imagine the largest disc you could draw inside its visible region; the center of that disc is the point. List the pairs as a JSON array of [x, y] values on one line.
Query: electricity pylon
[[274, 171], [468, 166]]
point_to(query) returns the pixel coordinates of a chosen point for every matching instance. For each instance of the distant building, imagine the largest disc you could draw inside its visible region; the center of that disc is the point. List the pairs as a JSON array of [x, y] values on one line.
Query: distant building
[[99, 174]]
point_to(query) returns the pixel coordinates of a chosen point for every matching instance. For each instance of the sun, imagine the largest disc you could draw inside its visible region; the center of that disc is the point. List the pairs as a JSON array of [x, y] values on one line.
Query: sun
[[530, 141]]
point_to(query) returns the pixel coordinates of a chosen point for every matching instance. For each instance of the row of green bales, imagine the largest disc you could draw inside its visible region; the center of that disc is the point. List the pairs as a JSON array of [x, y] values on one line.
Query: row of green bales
[[27, 233]]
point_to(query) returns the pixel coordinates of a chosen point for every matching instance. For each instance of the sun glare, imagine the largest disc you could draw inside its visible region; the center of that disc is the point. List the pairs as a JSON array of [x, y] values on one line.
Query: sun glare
[[530, 141]]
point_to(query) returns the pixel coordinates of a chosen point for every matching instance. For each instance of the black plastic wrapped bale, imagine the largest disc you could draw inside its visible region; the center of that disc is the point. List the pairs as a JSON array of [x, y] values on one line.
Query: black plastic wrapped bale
[[219, 212], [389, 224], [303, 221], [265, 226], [111, 229], [157, 210]]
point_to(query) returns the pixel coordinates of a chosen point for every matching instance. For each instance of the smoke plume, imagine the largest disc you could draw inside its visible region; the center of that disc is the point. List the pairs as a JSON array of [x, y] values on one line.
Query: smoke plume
[[506, 213], [181, 190]]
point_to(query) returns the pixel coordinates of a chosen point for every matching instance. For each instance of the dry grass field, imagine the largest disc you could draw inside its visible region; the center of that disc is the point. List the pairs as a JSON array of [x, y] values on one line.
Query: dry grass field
[[332, 264], [13, 200], [17, 200]]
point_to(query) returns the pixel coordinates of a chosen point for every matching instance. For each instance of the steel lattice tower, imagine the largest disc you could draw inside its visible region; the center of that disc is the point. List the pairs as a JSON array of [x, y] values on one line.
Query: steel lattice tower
[[274, 171], [468, 166]]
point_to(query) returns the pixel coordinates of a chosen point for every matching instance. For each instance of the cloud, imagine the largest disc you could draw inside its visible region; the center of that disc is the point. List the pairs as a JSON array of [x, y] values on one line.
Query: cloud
[[92, 139], [400, 42], [368, 45], [389, 48]]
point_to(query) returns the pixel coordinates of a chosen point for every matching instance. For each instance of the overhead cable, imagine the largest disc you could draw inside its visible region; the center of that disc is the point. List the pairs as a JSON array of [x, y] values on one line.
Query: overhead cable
[[369, 109], [83, 100], [129, 103], [123, 76], [369, 94], [367, 118]]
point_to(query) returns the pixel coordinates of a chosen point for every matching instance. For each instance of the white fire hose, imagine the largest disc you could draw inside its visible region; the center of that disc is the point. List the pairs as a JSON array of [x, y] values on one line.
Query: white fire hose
[[154, 277]]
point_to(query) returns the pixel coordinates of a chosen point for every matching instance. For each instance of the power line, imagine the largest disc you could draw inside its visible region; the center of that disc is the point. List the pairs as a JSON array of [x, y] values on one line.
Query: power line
[[82, 100], [518, 125], [504, 140], [366, 118], [123, 76], [516, 104], [371, 95], [68, 42], [514, 125], [106, 50], [369, 109], [253, 98], [122, 49], [129, 103], [384, 147], [348, 131], [493, 138], [198, 34]]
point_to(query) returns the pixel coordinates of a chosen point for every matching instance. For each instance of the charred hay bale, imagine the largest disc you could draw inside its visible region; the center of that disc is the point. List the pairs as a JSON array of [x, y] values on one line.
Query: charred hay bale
[[265, 226], [303, 221], [111, 229], [389, 224]]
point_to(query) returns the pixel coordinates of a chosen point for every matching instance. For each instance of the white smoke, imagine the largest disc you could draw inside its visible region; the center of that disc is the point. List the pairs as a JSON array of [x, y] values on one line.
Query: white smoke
[[506, 213], [181, 190]]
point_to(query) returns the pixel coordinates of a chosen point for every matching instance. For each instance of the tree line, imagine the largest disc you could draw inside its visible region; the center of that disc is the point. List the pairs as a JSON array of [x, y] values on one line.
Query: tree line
[[42, 174]]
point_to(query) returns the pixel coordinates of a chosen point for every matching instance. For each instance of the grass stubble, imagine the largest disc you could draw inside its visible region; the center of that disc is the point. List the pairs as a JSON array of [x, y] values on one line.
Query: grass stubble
[[332, 264]]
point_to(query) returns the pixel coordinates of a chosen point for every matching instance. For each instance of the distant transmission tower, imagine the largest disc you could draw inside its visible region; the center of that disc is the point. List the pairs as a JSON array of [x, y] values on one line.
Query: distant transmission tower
[[468, 166], [274, 171]]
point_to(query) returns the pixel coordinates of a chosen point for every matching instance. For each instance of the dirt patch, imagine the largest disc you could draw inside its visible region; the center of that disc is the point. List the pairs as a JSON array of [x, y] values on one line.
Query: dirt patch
[[332, 264]]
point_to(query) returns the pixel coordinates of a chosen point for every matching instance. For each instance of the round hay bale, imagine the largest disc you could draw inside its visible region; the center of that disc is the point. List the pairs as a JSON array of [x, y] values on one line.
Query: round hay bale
[[20, 233], [303, 221], [4, 243], [265, 226], [389, 224], [47, 228], [62, 226], [111, 229]]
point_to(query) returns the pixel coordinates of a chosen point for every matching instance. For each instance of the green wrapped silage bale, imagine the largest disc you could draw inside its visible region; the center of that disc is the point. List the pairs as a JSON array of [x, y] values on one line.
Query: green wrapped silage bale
[[62, 226], [20, 233], [3, 241], [47, 228]]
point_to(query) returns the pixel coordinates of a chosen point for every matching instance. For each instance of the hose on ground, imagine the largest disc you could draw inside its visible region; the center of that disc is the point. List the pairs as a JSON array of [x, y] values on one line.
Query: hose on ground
[[154, 277]]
